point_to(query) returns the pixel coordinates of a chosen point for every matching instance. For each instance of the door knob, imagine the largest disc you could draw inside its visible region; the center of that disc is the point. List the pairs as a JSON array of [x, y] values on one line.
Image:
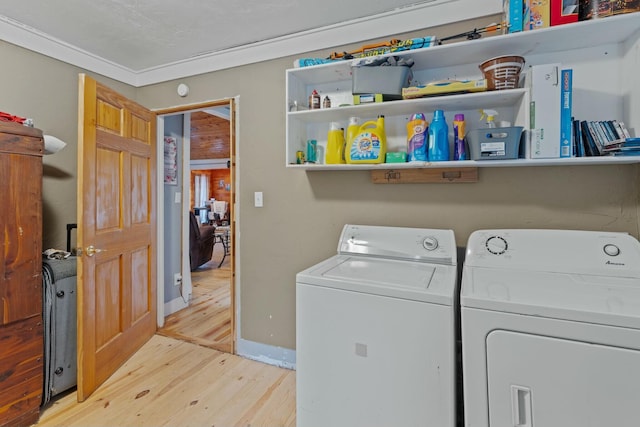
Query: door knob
[[92, 250]]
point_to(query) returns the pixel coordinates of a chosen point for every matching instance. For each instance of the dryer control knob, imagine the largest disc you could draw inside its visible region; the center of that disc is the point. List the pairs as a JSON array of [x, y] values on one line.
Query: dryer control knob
[[611, 250], [496, 245], [430, 243]]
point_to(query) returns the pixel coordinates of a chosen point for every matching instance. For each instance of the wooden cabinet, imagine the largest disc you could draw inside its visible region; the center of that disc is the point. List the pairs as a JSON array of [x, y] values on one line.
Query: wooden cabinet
[[21, 330]]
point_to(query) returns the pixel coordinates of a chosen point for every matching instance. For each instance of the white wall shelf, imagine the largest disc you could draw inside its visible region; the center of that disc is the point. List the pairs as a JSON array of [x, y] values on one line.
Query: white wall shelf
[[577, 161], [604, 54]]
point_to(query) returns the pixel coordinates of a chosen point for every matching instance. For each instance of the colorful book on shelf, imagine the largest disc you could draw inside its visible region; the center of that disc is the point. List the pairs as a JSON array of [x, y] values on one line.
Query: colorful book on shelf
[[566, 101], [590, 145], [612, 134], [623, 129], [513, 10], [563, 11], [600, 136], [578, 141], [540, 12]]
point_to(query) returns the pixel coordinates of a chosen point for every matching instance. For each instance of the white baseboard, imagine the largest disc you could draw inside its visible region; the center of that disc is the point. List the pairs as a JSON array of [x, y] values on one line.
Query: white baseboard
[[271, 355], [174, 305]]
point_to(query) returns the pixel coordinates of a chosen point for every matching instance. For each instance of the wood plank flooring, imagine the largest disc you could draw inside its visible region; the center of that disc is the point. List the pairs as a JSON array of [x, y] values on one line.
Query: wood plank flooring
[[176, 383], [207, 320]]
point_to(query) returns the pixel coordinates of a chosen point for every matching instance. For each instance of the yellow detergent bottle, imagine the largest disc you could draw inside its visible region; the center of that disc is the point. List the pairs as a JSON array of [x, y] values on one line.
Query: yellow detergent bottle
[[352, 131], [335, 145], [370, 144]]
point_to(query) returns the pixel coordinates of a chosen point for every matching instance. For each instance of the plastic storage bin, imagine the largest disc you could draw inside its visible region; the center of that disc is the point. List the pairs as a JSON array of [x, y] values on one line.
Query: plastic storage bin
[[385, 80], [494, 143]]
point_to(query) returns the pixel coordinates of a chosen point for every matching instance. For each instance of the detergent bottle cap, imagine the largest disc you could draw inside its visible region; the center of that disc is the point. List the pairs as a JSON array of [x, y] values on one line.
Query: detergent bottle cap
[[459, 117], [335, 126]]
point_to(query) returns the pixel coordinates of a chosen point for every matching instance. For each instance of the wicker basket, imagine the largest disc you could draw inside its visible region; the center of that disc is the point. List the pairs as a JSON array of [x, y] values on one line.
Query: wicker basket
[[502, 72]]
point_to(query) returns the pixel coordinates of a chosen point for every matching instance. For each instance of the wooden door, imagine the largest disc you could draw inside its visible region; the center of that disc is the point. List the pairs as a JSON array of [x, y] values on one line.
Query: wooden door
[[116, 231]]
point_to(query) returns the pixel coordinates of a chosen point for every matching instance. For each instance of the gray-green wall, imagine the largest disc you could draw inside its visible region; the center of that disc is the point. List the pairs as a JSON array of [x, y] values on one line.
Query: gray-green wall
[[36, 86], [304, 212]]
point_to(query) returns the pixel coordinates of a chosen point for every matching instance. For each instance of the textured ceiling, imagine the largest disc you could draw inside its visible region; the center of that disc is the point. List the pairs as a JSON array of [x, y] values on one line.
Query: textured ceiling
[[145, 34]]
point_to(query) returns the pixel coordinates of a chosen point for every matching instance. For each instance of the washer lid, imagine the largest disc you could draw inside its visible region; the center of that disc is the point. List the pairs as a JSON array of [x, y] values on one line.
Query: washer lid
[[584, 298], [416, 281], [413, 244]]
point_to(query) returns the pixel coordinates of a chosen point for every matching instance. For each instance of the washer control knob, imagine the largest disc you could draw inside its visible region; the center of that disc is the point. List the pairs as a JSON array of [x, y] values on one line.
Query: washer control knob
[[496, 245], [430, 243], [611, 250]]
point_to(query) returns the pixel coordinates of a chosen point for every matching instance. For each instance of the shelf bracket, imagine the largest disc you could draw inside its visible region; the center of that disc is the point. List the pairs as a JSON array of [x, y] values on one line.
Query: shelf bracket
[[419, 176]]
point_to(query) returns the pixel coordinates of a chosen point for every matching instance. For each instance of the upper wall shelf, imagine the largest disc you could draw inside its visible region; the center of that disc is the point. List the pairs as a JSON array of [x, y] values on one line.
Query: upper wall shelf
[[578, 35]]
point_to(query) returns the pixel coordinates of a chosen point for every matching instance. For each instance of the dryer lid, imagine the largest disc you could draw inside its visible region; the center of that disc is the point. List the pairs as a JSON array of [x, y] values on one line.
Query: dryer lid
[[596, 253], [415, 281], [583, 298]]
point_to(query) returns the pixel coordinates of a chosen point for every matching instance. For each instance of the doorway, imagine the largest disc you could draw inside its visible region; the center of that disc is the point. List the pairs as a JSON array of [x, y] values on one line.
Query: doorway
[[205, 309]]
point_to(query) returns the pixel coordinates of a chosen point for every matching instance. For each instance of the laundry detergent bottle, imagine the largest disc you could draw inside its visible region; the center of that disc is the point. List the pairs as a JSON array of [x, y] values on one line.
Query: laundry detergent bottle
[[352, 130], [417, 138], [335, 145], [370, 144], [459, 149], [438, 147]]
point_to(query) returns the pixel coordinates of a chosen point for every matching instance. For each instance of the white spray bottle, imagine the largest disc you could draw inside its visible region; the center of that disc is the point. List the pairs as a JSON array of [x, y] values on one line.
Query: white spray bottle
[[491, 117]]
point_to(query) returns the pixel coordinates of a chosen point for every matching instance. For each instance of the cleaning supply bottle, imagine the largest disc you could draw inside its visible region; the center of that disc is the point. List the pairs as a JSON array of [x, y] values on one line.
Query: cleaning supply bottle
[[459, 149], [335, 145], [352, 129], [314, 100], [491, 117], [370, 144], [438, 146], [417, 138]]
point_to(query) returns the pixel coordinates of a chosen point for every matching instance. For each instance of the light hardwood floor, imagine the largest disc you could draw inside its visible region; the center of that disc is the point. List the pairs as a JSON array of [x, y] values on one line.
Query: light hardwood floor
[[207, 320], [176, 383]]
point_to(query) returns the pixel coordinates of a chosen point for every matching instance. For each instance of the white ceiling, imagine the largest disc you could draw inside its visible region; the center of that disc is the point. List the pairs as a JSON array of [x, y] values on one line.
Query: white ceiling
[[146, 41]]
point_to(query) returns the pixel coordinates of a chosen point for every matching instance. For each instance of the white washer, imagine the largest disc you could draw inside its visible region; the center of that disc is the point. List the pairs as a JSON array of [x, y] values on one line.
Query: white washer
[[551, 329], [375, 341]]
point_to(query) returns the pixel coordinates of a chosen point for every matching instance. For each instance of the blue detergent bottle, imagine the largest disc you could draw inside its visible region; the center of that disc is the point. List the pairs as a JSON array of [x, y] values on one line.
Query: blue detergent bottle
[[438, 150]]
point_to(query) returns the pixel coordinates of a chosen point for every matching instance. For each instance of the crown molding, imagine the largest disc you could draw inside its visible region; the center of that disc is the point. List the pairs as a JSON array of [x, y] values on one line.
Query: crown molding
[[29, 38], [411, 18]]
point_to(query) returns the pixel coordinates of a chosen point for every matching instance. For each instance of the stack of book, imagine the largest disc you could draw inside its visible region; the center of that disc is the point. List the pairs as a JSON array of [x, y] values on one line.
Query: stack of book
[[603, 138], [631, 147]]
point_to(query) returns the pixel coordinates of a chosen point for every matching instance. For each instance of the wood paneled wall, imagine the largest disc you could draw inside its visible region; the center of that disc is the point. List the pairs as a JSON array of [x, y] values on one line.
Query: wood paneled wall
[[215, 176], [210, 136], [210, 139], [217, 192]]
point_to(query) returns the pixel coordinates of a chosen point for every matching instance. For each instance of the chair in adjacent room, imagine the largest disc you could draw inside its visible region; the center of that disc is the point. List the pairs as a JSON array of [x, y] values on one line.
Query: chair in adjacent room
[[201, 240], [223, 230], [219, 208]]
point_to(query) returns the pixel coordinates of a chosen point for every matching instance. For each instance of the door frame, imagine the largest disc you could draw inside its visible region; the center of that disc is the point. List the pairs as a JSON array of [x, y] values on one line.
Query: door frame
[[233, 102]]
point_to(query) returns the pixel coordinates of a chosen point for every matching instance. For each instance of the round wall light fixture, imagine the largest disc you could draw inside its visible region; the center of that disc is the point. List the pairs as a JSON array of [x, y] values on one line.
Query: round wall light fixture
[[183, 90]]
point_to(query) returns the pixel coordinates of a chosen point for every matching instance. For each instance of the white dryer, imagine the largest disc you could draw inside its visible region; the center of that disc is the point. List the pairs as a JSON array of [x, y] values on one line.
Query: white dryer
[[375, 341], [551, 329]]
